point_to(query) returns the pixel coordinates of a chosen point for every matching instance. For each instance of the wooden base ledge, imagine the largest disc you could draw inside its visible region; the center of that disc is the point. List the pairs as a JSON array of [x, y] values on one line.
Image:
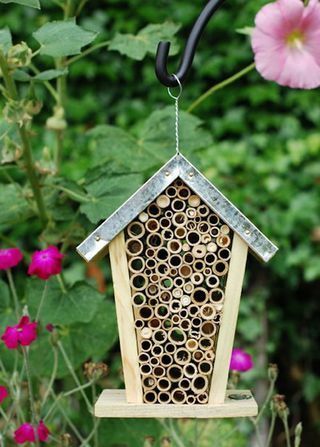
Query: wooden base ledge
[[113, 404]]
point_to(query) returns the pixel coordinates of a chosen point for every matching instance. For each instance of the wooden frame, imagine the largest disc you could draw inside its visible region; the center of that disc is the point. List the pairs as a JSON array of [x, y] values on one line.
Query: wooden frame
[[233, 289], [127, 333]]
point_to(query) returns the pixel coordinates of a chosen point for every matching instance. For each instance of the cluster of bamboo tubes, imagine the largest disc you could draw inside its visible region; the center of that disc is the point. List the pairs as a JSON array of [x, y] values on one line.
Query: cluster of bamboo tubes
[[178, 256]]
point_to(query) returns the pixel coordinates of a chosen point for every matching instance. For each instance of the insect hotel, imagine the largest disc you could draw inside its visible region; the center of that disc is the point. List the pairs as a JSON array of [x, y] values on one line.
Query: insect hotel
[[178, 252]]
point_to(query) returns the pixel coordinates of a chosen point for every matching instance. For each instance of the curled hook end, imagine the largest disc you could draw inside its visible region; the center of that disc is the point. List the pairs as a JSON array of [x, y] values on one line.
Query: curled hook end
[[161, 66]]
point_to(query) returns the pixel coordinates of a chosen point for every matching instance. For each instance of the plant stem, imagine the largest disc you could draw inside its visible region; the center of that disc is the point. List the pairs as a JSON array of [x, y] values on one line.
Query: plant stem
[[86, 52], [94, 419], [266, 401], [53, 375], [43, 297], [3, 414], [30, 389], [271, 429], [14, 293], [286, 430], [219, 86], [174, 434], [27, 154], [61, 283]]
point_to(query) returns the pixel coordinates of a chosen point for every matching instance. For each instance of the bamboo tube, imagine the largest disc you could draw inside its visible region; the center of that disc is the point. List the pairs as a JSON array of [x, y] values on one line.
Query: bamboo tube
[[203, 210], [153, 302], [154, 323], [157, 350], [173, 272], [203, 398], [191, 399], [199, 384], [225, 229], [190, 370], [174, 246], [138, 324], [163, 201], [199, 265], [185, 271], [159, 336], [145, 345], [198, 355], [178, 183], [223, 241], [152, 226], [154, 361], [176, 319], [205, 238], [178, 282], [145, 312], [191, 226], [183, 312], [220, 268], [178, 396], [179, 219], [196, 322], [145, 369], [214, 231], [150, 397], [207, 311], [213, 219], [208, 329], [144, 357], [224, 254], [164, 397], [205, 367], [154, 278], [148, 272], [171, 191], [191, 213], [143, 217], [138, 299], [184, 193], [152, 290], [199, 251], [166, 283], [212, 281], [185, 300], [159, 371], [207, 271], [199, 296], [180, 233], [146, 332], [135, 230], [150, 263], [188, 258], [162, 311], [185, 247], [150, 252], [178, 205], [188, 287], [165, 297], [164, 384], [154, 240], [177, 336], [170, 348], [217, 319], [194, 333], [203, 227], [139, 281], [212, 248], [193, 238], [210, 258], [174, 373], [194, 201], [185, 384], [167, 234], [153, 210], [197, 219], [197, 278], [194, 310], [166, 360], [177, 293], [185, 324], [165, 223], [175, 306], [209, 355], [182, 356], [134, 247], [175, 261], [149, 383], [168, 214], [162, 268], [206, 343], [192, 345]]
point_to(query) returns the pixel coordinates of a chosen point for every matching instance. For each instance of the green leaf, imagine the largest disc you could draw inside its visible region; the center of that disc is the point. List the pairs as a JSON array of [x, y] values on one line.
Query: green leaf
[[31, 3], [79, 304], [146, 41], [48, 75], [81, 341], [21, 76], [14, 207], [62, 38], [5, 39], [247, 30], [6, 307]]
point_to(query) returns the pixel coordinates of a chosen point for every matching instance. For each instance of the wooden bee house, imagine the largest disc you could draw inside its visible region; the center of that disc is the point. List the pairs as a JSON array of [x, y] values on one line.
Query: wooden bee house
[[178, 252]]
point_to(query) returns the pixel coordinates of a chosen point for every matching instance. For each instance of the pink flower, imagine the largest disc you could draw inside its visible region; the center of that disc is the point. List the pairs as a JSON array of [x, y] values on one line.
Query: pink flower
[[240, 360], [43, 432], [50, 327], [286, 43], [23, 333], [3, 393], [9, 257], [25, 433], [46, 263]]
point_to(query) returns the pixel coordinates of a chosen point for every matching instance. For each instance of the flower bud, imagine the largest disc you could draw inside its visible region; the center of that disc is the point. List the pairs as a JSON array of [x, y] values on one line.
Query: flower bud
[[33, 106], [19, 55], [65, 440], [280, 406], [273, 372], [11, 151], [57, 122], [15, 112], [165, 442], [95, 371], [297, 434], [148, 441]]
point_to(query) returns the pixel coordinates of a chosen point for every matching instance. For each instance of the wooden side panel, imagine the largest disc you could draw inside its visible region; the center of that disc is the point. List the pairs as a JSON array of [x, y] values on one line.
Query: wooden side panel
[[127, 333], [229, 320]]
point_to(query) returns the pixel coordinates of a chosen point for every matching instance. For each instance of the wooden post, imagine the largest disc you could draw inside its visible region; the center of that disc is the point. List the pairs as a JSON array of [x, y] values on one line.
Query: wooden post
[[127, 333], [229, 320]]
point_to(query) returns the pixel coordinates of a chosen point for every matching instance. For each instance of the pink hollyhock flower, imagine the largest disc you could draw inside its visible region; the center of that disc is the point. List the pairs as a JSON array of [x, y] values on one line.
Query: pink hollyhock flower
[[240, 360], [43, 432], [46, 263], [3, 393], [9, 257], [23, 333], [286, 43], [25, 433]]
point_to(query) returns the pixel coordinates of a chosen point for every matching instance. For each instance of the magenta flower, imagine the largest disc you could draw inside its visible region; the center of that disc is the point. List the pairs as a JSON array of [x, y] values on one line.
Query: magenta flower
[[3, 393], [46, 263], [23, 333], [286, 43], [25, 433], [240, 360], [9, 257], [43, 432]]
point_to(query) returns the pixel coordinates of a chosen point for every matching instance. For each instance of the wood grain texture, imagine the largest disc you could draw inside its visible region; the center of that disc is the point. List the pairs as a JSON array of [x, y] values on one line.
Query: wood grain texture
[[229, 320], [113, 404], [127, 333]]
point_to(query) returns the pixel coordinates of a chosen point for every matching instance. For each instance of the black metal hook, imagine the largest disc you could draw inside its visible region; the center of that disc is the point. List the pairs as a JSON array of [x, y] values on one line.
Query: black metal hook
[[163, 48]]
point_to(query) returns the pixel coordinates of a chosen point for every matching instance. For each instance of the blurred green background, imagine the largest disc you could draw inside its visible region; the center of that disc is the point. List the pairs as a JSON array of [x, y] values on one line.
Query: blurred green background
[[258, 142]]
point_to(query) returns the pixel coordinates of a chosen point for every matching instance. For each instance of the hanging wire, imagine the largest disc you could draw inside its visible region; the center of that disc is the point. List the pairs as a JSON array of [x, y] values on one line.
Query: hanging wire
[[176, 100]]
